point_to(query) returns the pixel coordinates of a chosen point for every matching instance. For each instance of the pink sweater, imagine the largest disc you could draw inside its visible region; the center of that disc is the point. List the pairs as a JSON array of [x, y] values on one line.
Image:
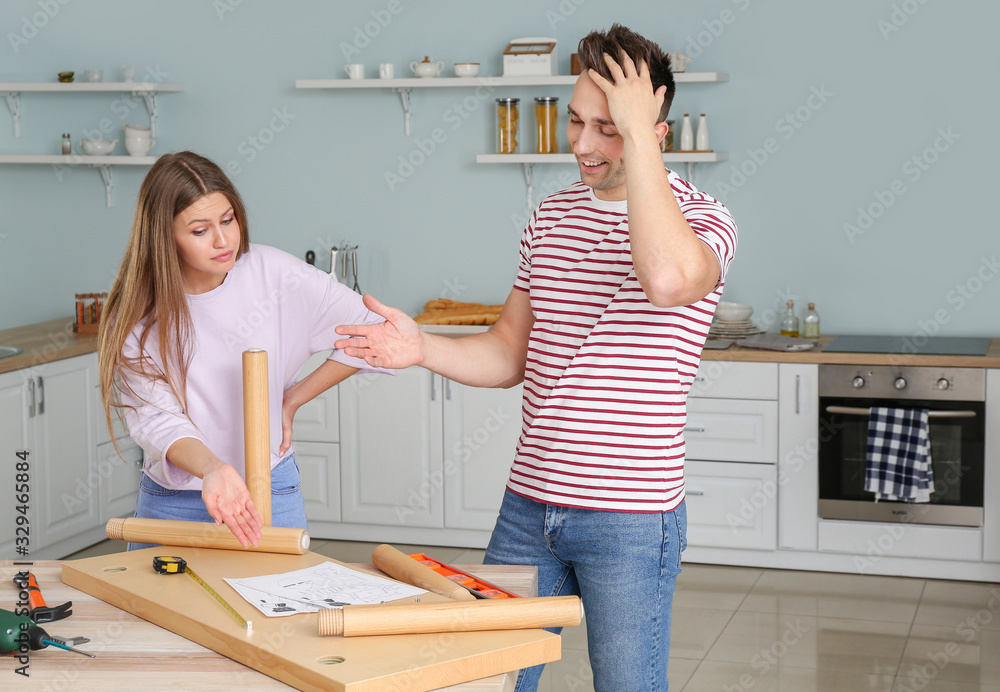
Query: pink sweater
[[270, 300]]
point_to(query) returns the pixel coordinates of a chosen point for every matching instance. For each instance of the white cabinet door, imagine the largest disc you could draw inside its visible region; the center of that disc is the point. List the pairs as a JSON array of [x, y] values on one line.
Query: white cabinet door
[[732, 430], [15, 427], [731, 505], [119, 478], [391, 449], [69, 483], [727, 379], [481, 429], [991, 508], [798, 461], [319, 466]]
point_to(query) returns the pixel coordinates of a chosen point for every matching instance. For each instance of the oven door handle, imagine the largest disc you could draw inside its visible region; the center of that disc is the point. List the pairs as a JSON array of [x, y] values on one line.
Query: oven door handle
[[851, 411]]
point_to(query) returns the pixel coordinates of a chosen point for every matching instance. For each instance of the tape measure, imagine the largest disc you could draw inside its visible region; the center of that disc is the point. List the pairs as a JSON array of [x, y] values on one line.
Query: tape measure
[[166, 564]]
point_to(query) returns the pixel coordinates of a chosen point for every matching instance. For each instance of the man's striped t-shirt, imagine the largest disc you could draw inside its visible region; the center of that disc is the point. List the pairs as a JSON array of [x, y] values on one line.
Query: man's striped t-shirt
[[607, 372]]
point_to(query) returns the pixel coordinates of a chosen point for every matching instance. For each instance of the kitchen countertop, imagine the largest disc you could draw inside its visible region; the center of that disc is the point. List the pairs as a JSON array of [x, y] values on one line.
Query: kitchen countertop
[[55, 340]]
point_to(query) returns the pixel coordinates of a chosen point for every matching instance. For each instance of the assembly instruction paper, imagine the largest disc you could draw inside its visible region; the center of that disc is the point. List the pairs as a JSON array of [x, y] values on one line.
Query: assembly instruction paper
[[327, 585]]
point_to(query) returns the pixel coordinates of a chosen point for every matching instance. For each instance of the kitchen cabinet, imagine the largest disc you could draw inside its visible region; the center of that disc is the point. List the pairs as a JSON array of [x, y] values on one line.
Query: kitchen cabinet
[[316, 435], [421, 452], [798, 455], [15, 428], [731, 438]]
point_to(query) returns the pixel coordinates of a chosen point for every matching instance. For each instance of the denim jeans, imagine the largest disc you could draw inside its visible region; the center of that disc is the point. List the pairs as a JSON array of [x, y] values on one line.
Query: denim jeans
[[288, 508], [624, 567]]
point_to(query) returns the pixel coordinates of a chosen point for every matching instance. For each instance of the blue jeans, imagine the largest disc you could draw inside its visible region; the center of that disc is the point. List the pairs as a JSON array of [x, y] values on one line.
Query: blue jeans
[[624, 567], [288, 508]]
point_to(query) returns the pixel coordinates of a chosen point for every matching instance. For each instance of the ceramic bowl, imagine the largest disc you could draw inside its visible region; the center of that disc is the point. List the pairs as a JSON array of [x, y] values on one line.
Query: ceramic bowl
[[466, 69], [733, 312], [65, 76]]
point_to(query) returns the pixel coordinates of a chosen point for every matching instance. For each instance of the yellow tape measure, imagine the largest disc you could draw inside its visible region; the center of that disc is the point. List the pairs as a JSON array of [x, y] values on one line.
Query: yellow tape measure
[[165, 564]]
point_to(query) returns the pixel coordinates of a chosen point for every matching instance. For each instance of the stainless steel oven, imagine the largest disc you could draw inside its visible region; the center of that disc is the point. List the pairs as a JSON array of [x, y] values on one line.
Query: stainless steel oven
[[955, 399]]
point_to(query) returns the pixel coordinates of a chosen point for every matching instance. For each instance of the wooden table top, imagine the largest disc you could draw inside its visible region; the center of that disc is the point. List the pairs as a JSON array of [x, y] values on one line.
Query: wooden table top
[[133, 654]]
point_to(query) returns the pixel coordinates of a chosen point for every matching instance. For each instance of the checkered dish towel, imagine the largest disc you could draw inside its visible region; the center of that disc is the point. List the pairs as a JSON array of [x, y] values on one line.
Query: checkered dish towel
[[899, 455]]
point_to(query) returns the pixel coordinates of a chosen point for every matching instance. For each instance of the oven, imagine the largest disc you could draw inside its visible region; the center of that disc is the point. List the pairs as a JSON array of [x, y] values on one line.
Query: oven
[[955, 399]]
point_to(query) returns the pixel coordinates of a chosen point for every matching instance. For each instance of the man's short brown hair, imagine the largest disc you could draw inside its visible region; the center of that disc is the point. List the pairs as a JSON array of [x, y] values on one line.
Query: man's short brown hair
[[619, 41]]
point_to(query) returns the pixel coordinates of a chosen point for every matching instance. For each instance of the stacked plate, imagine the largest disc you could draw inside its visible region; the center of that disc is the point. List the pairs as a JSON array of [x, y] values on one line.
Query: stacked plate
[[722, 329]]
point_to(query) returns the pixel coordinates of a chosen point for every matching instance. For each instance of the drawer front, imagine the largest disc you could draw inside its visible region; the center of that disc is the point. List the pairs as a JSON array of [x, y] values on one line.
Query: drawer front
[[732, 430], [731, 505], [726, 379]]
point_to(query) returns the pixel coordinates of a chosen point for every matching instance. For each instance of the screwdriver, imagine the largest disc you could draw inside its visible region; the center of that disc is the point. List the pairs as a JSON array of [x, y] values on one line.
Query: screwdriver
[[165, 564]]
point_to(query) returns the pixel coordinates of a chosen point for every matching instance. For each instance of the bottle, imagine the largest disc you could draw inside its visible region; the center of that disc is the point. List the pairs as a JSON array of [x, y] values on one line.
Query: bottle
[[507, 125], [546, 115], [810, 325], [667, 143], [67, 145], [687, 135], [790, 323], [701, 140]]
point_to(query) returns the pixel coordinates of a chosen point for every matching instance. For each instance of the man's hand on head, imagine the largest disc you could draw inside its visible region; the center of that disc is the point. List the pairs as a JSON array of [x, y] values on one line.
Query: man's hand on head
[[632, 103]]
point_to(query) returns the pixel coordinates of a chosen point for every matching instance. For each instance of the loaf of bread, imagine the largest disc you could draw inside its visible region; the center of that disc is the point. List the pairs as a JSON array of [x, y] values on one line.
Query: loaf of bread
[[446, 311]]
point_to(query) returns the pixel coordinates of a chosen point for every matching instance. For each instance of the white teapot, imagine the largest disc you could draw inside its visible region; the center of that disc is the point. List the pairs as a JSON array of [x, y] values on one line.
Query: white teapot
[[427, 68], [97, 146]]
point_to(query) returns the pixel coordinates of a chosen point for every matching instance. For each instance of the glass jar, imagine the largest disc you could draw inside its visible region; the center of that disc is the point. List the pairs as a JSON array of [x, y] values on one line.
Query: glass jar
[[667, 143], [507, 125], [546, 115], [67, 145]]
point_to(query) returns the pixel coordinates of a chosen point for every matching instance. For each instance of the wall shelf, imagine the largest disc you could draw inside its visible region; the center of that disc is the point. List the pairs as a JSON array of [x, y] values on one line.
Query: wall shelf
[[102, 163], [147, 90], [528, 162]]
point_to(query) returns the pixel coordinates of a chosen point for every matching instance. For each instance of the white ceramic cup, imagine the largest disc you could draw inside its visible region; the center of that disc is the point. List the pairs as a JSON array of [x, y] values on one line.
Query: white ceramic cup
[[139, 146], [128, 73], [355, 70], [93, 75], [386, 70], [466, 69]]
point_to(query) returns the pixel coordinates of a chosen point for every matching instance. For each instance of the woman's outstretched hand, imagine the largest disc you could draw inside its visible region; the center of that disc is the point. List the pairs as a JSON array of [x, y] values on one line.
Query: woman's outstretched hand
[[396, 343]]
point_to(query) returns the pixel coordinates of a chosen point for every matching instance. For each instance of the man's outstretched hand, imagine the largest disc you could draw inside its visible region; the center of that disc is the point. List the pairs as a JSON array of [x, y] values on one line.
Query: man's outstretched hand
[[396, 343]]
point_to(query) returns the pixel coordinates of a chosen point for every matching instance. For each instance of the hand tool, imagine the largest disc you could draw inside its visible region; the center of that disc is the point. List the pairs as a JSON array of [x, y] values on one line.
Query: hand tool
[[38, 611], [174, 565], [16, 630], [480, 588]]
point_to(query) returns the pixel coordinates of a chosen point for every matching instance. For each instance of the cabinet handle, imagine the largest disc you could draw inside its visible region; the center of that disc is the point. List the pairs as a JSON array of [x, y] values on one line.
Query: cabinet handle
[[447, 388], [700, 378], [798, 381], [434, 389], [696, 493], [693, 429], [31, 398], [41, 396]]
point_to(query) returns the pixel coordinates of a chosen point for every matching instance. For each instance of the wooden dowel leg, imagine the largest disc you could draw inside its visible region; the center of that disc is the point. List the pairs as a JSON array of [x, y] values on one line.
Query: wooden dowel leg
[[256, 431]]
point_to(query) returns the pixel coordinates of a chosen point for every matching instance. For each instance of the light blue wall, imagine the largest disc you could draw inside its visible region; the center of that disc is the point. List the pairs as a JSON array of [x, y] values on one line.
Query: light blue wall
[[892, 74]]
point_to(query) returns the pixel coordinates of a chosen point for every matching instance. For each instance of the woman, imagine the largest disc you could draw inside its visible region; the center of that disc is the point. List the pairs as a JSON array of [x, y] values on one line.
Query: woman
[[191, 295]]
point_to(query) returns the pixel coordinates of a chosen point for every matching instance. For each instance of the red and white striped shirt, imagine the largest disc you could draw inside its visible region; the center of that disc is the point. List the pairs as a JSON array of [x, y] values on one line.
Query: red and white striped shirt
[[607, 372]]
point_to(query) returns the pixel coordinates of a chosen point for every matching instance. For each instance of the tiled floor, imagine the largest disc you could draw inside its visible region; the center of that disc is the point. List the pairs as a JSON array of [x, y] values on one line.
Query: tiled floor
[[756, 630]]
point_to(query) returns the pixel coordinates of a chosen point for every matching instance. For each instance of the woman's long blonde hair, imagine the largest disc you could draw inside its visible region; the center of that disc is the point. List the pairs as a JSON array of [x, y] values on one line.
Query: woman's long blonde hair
[[149, 284]]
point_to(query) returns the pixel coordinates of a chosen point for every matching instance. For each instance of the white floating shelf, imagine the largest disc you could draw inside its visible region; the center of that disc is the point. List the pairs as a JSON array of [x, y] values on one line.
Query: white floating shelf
[[79, 160], [88, 86], [676, 157], [440, 82], [101, 163]]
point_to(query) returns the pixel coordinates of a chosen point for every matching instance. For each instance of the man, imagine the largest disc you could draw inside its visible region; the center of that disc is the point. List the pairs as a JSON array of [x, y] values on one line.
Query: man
[[619, 276]]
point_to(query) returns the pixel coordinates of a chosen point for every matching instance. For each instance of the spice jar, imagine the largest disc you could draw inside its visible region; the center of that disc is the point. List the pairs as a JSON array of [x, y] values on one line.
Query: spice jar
[[67, 145], [507, 124], [545, 116]]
